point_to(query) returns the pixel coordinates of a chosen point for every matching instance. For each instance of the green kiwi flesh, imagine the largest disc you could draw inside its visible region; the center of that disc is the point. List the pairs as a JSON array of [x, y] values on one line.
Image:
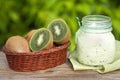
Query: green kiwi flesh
[[59, 30], [40, 39]]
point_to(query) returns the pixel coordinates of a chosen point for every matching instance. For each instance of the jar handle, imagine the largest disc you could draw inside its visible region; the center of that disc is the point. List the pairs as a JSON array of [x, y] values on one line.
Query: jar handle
[[77, 33], [77, 36], [78, 20]]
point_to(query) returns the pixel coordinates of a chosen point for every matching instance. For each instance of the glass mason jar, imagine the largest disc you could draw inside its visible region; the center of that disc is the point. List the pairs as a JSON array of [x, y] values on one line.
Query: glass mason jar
[[95, 42]]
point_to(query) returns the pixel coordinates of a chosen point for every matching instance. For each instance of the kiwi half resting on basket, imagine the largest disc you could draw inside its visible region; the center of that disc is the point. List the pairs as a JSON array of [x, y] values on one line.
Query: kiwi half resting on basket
[[60, 31], [41, 39]]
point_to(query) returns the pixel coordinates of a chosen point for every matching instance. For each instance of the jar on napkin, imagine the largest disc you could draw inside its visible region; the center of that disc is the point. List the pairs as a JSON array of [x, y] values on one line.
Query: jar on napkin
[[95, 42]]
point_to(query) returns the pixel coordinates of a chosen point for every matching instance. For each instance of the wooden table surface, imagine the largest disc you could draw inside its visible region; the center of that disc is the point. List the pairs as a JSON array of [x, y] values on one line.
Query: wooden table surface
[[62, 72]]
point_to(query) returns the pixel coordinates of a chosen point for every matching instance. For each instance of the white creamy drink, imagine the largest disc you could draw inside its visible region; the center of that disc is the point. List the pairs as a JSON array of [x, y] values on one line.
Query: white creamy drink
[[95, 42]]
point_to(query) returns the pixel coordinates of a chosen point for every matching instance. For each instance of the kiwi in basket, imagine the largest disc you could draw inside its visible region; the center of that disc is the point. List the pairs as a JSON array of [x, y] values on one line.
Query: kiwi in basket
[[17, 44], [29, 34], [41, 39], [60, 31]]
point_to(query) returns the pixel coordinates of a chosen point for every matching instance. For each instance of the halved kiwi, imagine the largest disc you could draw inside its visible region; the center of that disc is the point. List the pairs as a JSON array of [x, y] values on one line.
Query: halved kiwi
[[60, 31], [41, 39]]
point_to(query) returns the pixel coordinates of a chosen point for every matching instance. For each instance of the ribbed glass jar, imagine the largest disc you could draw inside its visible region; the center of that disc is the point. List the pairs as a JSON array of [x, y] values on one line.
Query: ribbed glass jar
[[95, 42]]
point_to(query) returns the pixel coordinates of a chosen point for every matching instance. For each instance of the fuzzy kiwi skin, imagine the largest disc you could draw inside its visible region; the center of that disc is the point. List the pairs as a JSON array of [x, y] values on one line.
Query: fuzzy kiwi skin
[[29, 34], [17, 44], [68, 34], [48, 45]]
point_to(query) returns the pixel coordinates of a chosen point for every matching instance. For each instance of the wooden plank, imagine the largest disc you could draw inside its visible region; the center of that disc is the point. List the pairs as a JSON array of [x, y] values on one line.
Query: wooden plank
[[62, 72]]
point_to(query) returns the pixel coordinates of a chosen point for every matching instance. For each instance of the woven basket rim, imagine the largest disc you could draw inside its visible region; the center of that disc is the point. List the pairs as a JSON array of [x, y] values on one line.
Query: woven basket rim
[[56, 48]]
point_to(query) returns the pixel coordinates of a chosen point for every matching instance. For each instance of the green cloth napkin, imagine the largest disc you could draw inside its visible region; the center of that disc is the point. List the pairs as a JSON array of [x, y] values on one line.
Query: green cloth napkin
[[101, 69]]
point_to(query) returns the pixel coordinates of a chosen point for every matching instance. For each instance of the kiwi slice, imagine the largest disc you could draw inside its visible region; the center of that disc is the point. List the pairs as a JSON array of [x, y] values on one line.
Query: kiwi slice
[[60, 31], [41, 39]]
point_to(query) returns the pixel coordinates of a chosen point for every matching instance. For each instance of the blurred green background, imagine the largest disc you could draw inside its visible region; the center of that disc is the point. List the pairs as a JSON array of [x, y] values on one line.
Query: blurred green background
[[17, 17]]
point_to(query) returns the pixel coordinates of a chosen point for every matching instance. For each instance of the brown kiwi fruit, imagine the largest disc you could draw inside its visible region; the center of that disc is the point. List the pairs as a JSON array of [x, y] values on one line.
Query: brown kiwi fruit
[[17, 44], [41, 39], [29, 34], [60, 31]]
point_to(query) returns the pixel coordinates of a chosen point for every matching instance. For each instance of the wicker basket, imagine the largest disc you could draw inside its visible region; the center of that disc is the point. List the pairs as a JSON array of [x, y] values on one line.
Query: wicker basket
[[37, 60]]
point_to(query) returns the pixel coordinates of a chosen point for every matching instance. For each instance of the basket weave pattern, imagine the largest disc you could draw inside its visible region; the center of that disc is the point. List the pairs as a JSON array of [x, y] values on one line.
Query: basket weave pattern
[[37, 60]]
